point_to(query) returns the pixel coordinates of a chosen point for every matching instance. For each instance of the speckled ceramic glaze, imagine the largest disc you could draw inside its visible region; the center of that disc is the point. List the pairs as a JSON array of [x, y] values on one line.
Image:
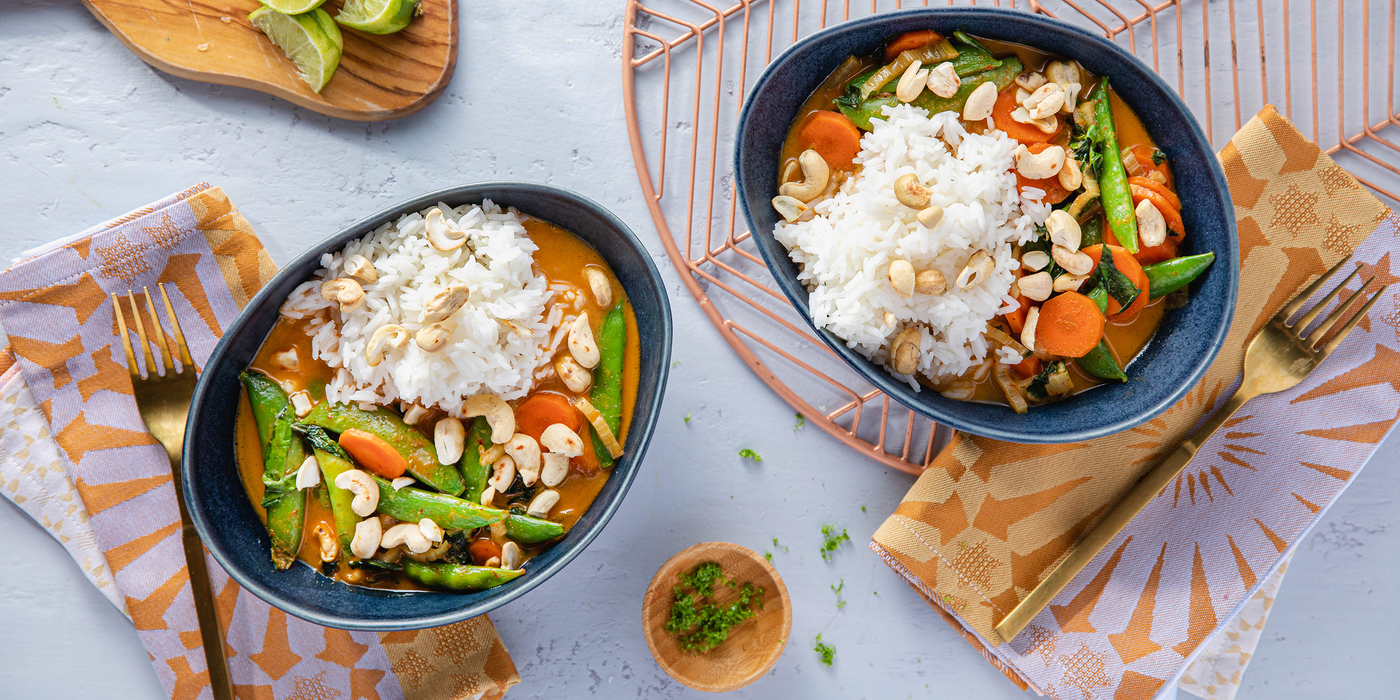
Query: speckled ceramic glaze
[[1188, 338], [236, 537]]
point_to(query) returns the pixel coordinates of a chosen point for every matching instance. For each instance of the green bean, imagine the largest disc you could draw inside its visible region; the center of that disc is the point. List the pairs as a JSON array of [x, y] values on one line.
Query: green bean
[[528, 530], [334, 461], [413, 445], [1099, 296], [282, 456], [474, 473], [1113, 180], [1002, 76], [449, 512], [457, 577], [1091, 233], [607, 379], [1099, 362], [1170, 275]]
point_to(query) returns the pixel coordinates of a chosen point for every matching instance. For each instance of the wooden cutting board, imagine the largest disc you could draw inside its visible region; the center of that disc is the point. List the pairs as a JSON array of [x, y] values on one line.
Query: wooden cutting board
[[380, 77]]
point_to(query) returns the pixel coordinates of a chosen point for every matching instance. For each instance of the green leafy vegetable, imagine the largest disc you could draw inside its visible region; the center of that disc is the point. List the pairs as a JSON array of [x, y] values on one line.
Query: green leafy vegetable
[[1083, 145], [1039, 386], [826, 651], [746, 453], [832, 540], [698, 623], [801, 421], [840, 602], [687, 419], [1158, 157], [768, 556], [1113, 281]]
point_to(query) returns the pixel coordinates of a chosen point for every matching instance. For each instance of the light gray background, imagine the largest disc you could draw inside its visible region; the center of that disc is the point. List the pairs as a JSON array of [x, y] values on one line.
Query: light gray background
[[88, 132]]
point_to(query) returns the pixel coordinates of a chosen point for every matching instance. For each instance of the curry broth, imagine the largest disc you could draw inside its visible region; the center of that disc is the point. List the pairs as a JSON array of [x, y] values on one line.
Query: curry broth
[[1126, 340], [561, 258]]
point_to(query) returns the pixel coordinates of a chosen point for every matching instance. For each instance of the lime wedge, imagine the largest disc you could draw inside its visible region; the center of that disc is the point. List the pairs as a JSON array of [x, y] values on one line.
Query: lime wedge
[[377, 16], [292, 7], [311, 40]]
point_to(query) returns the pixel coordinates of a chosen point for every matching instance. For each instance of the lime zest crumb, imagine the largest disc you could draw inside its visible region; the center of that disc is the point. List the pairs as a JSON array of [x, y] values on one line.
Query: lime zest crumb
[[826, 651], [835, 588], [747, 453], [832, 540], [801, 421], [687, 419]]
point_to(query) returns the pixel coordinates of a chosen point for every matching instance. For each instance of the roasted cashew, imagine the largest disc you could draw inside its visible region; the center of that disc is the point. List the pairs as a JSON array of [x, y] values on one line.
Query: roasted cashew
[[902, 277], [432, 338], [1035, 260], [488, 494], [930, 282], [431, 530], [330, 548], [978, 268], [790, 208], [911, 83], [389, 335], [443, 234], [359, 267], [414, 414], [1028, 330], [309, 473], [581, 343], [574, 375], [344, 291], [510, 556], [980, 103], [1069, 283], [365, 490], [406, 534], [1064, 230], [1073, 261], [402, 482], [526, 453], [450, 439], [1038, 166], [943, 80], [1152, 228], [556, 467], [910, 192], [1071, 177], [905, 355], [1036, 287], [542, 504], [368, 533], [1030, 81], [1045, 101], [600, 285], [930, 216], [445, 303], [502, 474], [498, 414], [562, 439], [816, 174]]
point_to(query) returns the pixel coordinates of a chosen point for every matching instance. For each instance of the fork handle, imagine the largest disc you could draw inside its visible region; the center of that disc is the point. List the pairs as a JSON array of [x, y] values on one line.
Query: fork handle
[[214, 656], [1142, 493]]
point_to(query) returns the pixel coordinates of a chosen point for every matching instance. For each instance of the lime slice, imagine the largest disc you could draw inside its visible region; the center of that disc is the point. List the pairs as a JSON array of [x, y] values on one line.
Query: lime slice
[[377, 16], [311, 40], [292, 7]]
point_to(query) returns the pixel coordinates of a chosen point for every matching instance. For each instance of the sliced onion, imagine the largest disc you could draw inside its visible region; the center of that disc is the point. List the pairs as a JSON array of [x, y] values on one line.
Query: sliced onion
[[1008, 387], [1131, 165], [604, 432], [1059, 383], [1000, 336]]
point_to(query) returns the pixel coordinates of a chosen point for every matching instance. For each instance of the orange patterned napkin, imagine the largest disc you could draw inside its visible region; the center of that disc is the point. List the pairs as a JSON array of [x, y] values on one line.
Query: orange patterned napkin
[[55, 307], [989, 519]]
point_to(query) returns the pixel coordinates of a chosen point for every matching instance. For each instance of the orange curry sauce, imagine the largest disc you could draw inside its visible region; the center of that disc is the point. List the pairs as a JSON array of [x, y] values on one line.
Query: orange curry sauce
[[561, 258]]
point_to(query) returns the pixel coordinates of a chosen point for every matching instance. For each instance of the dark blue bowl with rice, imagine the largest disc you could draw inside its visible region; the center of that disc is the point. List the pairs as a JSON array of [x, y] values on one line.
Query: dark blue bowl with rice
[[1187, 339], [236, 536]]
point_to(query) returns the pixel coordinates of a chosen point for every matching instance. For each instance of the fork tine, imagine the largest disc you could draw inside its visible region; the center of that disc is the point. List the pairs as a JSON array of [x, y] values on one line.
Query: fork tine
[[151, 365], [165, 352], [1337, 315], [185, 360], [126, 339], [1337, 339], [1312, 313], [1297, 303]]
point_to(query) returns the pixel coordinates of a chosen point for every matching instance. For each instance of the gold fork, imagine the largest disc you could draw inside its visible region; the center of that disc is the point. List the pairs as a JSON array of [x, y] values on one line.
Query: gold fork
[[1278, 358], [163, 398]]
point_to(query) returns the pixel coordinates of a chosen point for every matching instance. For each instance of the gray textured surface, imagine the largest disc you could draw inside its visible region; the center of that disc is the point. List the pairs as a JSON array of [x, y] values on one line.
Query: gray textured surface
[[88, 132]]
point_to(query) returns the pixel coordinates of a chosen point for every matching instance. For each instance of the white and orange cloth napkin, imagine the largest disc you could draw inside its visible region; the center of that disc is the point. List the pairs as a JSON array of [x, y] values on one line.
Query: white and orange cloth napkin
[[988, 520], [78, 459]]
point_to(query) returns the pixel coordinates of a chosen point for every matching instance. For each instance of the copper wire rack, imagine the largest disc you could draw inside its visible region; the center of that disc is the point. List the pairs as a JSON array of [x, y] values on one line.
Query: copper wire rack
[[688, 64]]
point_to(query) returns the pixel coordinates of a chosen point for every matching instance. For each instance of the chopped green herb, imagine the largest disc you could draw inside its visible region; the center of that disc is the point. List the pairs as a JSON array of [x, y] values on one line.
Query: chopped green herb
[[1038, 386], [1158, 157], [768, 556], [1085, 149], [801, 421], [698, 623], [746, 453], [687, 419], [832, 540], [840, 602], [1113, 281], [862, 509], [826, 651], [780, 546]]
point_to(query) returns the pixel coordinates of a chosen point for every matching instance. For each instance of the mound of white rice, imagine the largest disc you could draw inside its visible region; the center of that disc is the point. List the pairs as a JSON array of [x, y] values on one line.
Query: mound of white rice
[[484, 354], [845, 249]]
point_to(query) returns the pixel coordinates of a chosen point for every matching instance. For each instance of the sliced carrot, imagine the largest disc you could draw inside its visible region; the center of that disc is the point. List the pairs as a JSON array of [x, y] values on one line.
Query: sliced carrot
[[373, 453], [482, 550], [1129, 266], [1054, 191], [1169, 213], [1028, 367], [544, 409], [910, 40], [1017, 319], [1001, 115], [1159, 188], [1070, 325], [833, 136], [1147, 256], [1143, 153]]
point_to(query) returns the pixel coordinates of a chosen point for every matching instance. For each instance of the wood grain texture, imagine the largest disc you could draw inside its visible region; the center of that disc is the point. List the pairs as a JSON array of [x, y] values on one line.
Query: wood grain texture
[[379, 78], [753, 646]]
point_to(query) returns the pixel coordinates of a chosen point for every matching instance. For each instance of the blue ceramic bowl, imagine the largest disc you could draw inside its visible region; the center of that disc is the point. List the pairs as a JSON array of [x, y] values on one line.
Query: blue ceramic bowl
[[1188, 339], [220, 507]]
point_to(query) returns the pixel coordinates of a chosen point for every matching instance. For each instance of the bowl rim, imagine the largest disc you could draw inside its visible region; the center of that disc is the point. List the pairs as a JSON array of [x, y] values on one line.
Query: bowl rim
[[365, 225], [901, 392]]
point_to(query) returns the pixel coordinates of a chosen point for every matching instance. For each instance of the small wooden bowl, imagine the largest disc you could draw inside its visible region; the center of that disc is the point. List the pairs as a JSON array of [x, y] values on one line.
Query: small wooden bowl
[[752, 647]]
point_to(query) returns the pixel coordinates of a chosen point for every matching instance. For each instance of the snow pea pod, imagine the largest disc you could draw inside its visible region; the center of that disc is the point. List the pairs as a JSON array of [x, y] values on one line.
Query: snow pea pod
[[1100, 298], [1113, 179], [458, 577], [333, 461], [449, 512], [415, 447], [1100, 363], [1170, 275], [607, 380], [1001, 76], [473, 471], [282, 456], [528, 530]]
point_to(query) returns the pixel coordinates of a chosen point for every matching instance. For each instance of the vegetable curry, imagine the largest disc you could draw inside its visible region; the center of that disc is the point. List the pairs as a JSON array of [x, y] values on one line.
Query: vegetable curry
[[485, 508], [1108, 180]]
